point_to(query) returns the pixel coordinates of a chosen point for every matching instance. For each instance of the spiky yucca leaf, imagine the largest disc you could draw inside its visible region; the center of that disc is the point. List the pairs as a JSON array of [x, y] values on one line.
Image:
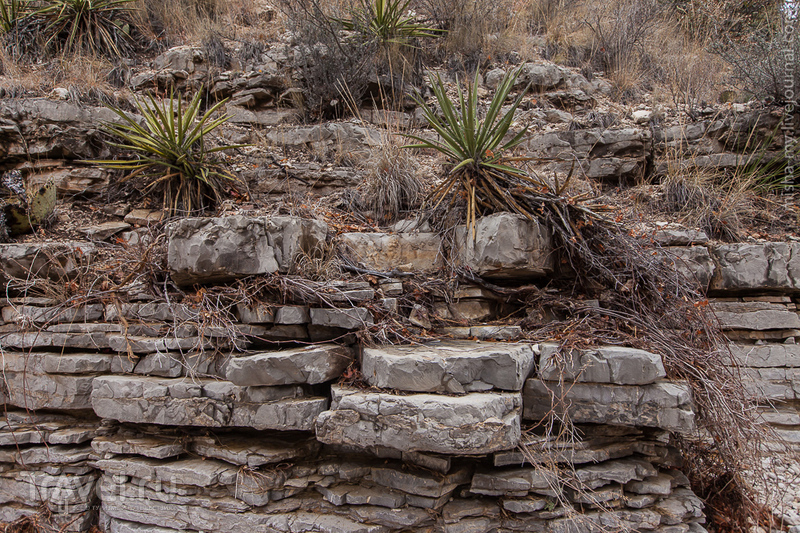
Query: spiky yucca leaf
[[10, 12], [171, 152], [476, 148], [95, 26], [387, 21]]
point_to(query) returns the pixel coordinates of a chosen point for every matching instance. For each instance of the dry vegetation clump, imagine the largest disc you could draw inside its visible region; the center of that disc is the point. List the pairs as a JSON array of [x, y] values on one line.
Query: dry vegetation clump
[[392, 187]]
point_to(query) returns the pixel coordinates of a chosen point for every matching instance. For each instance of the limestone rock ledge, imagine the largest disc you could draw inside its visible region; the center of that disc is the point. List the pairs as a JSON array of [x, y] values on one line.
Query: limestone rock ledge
[[472, 424], [204, 402], [666, 405], [455, 366]]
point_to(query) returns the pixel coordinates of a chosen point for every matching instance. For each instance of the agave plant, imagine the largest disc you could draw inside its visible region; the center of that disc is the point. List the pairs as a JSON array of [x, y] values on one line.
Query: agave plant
[[481, 171], [388, 21], [172, 157], [95, 26]]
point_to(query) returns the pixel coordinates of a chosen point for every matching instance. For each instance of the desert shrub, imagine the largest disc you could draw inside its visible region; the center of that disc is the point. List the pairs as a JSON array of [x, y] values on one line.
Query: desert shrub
[[765, 61], [621, 31], [101, 27], [190, 21], [475, 30], [330, 60], [391, 186], [172, 159]]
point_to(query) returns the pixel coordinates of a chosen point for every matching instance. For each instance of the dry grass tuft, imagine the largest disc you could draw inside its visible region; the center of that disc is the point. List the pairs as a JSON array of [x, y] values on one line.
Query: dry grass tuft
[[197, 21], [392, 186]]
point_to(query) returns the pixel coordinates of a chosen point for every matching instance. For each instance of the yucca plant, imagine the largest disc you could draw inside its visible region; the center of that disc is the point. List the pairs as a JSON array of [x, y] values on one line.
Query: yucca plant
[[172, 157], [481, 170], [10, 12], [388, 21], [94, 26]]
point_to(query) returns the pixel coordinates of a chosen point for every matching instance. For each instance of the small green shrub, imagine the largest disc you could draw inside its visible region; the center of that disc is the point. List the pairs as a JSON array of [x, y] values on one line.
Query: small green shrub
[[475, 148], [92, 26], [172, 158]]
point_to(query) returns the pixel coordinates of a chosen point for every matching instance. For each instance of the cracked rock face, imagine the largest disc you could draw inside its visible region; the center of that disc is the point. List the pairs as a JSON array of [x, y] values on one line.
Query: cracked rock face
[[204, 402], [771, 265], [455, 366], [475, 423]]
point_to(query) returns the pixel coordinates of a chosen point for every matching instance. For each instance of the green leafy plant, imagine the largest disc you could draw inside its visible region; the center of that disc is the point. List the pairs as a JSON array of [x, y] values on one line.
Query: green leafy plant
[[10, 12], [21, 208], [172, 156], [94, 26], [476, 148], [388, 21]]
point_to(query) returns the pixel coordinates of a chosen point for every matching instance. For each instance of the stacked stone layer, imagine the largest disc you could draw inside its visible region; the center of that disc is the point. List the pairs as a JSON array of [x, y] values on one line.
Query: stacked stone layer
[[147, 415]]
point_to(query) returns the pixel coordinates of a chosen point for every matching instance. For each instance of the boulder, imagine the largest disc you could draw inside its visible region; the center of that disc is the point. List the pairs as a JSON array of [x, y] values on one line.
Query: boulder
[[344, 137], [308, 364], [472, 424], [453, 366], [692, 262], [294, 238], [607, 154], [541, 76], [204, 250], [41, 128], [507, 246]]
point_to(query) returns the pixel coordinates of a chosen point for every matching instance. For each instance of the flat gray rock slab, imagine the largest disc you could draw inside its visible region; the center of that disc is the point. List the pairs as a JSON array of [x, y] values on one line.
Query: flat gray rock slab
[[608, 364], [30, 390], [254, 452], [145, 446], [308, 364], [666, 405], [760, 266], [758, 316], [406, 251], [507, 246], [772, 383], [452, 366], [135, 504], [204, 402], [204, 250], [48, 260], [472, 424], [354, 318], [516, 481], [767, 355]]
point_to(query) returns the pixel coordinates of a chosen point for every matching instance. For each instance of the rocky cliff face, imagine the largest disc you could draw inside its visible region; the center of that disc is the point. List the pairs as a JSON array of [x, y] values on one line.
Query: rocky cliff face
[[143, 415]]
